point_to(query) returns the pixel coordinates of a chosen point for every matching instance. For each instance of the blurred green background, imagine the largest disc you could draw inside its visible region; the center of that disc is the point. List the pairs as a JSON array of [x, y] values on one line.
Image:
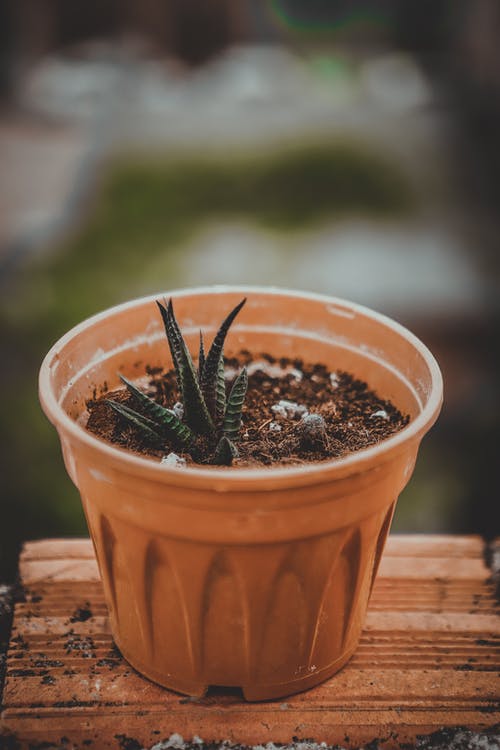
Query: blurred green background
[[296, 144]]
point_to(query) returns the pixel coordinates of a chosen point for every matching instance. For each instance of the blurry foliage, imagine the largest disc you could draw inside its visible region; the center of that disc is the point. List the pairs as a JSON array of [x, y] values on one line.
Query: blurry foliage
[[143, 210], [147, 208]]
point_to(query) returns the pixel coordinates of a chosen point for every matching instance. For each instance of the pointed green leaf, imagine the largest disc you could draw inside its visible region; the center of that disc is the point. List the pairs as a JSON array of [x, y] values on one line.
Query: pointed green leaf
[[201, 358], [232, 417], [147, 426], [164, 418], [173, 338], [225, 452], [195, 409], [220, 402], [209, 379]]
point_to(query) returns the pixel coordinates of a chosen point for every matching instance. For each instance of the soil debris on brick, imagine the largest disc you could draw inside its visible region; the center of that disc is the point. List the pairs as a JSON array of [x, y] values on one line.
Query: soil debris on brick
[[82, 645], [81, 614]]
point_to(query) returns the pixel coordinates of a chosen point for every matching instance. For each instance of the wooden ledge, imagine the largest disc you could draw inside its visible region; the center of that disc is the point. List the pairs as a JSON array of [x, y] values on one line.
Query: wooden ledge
[[428, 661]]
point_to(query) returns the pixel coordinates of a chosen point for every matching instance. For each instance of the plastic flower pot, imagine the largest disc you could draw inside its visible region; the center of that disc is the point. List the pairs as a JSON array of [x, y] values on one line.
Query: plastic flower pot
[[257, 578]]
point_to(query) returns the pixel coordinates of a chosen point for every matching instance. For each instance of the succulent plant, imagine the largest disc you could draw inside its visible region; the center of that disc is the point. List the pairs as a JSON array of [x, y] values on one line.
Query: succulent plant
[[207, 410]]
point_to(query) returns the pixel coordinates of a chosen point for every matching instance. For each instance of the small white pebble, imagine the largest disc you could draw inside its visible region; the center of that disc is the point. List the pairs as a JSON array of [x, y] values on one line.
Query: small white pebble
[[349, 424], [312, 429], [173, 460], [280, 411], [380, 413], [178, 410], [274, 427], [334, 380], [289, 409], [175, 740]]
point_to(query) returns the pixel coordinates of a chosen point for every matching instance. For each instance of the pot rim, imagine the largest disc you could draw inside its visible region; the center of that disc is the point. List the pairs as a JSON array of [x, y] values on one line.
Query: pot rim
[[234, 478]]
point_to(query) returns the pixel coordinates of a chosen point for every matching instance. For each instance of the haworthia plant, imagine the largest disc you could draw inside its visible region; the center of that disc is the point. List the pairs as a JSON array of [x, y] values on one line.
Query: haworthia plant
[[207, 410]]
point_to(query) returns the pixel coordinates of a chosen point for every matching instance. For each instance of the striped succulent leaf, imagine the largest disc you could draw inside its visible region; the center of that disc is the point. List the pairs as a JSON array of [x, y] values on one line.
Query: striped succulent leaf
[[232, 417], [196, 413], [225, 452], [174, 338], [195, 408], [147, 426], [220, 397], [211, 368], [167, 422]]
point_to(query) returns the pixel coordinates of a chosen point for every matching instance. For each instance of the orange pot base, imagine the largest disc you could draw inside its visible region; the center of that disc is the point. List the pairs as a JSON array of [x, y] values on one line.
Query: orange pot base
[[251, 692]]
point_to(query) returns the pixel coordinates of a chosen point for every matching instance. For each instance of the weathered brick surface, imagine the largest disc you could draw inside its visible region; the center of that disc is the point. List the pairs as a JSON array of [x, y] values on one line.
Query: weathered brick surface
[[429, 658]]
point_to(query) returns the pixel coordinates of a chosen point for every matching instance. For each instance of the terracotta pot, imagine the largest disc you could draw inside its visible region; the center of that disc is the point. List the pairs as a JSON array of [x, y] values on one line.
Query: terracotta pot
[[257, 578]]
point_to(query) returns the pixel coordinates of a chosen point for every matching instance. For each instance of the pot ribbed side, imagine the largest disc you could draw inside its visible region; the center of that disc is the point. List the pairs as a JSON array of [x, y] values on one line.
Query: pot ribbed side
[[268, 619]]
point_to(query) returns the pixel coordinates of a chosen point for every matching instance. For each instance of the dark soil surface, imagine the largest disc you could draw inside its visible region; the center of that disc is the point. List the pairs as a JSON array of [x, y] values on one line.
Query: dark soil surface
[[352, 416]]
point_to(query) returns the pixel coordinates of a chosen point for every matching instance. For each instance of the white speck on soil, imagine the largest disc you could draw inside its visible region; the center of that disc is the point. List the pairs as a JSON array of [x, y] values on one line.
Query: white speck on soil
[[334, 380], [289, 409], [173, 460], [178, 410], [274, 427], [313, 421], [380, 413]]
